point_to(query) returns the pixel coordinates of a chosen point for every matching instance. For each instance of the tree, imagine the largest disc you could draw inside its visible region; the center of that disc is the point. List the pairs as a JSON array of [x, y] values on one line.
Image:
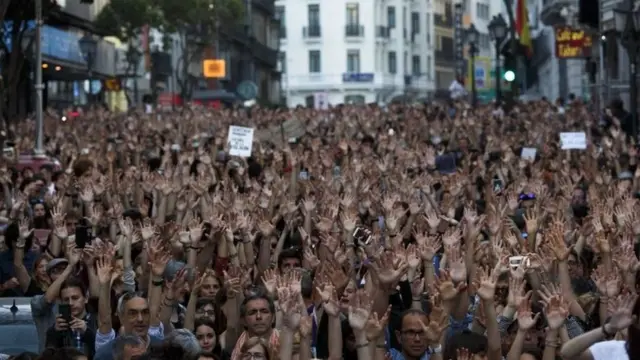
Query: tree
[[196, 23], [125, 19]]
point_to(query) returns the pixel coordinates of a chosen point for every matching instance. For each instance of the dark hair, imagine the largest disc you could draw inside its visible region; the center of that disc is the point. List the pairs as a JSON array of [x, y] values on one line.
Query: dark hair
[[471, 341], [633, 338], [213, 325], [220, 323], [208, 355], [410, 312], [74, 283], [11, 235], [257, 296]]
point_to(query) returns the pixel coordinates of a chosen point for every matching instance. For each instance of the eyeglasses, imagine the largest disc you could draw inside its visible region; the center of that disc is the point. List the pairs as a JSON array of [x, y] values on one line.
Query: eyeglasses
[[253, 356], [206, 312], [412, 333]]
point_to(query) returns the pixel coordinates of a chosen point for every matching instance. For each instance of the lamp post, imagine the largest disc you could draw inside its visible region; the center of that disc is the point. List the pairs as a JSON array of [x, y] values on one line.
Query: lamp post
[[472, 39], [89, 48], [133, 57], [39, 150], [627, 24], [498, 30]]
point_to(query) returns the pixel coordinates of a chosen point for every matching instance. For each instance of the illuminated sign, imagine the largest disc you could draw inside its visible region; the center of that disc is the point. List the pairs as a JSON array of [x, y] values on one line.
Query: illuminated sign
[[572, 43], [214, 68]]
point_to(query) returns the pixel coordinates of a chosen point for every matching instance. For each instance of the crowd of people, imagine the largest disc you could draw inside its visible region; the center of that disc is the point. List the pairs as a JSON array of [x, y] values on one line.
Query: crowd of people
[[406, 232]]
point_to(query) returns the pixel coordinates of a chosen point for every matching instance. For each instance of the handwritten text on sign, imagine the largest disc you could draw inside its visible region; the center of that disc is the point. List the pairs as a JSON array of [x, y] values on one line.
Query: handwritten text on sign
[[573, 140], [572, 43], [240, 141]]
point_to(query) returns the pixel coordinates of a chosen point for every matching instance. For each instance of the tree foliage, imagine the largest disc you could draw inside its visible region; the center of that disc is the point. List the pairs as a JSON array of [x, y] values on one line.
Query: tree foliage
[[125, 18], [182, 15]]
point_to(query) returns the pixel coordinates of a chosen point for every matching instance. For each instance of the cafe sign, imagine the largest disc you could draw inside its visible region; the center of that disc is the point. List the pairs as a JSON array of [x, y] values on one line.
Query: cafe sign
[[572, 43]]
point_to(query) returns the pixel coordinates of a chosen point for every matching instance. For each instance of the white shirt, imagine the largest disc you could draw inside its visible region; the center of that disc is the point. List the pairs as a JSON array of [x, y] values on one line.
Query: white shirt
[[103, 339], [609, 350]]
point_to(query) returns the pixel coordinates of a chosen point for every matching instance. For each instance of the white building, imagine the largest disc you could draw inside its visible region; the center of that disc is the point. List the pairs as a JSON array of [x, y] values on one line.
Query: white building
[[356, 52]]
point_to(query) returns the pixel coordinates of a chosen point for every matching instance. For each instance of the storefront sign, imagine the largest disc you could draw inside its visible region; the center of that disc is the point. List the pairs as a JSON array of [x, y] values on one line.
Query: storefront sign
[[572, 43]]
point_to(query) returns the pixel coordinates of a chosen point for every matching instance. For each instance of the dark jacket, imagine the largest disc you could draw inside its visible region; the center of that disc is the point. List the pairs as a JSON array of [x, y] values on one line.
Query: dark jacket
[[67, 338]]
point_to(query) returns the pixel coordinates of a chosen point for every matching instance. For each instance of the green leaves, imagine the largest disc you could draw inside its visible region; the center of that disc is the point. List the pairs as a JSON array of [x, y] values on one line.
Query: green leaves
[[125, 18]]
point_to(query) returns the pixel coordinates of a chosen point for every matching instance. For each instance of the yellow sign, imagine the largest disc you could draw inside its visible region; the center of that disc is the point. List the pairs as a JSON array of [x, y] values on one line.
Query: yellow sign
[[214, 68]]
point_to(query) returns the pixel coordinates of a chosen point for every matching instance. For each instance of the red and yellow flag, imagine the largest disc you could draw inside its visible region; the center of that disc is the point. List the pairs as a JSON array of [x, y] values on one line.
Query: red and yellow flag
[[522, 26]]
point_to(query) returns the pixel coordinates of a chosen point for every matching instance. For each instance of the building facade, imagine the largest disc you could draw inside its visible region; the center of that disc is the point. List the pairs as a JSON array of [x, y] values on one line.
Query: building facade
[[346, 51]]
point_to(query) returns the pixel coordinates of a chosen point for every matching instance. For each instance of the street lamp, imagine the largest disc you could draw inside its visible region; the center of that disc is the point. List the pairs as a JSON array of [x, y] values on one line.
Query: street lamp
[[89, 48], [627, 25], [498, 30], [133, 57], [472, 35]]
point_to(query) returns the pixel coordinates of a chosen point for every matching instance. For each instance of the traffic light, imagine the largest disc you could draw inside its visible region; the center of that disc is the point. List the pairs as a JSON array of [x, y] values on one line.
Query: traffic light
[[510, 66]]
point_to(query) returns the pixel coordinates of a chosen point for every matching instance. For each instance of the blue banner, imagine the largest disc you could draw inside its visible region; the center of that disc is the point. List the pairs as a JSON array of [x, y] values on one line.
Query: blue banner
[[56, 43]]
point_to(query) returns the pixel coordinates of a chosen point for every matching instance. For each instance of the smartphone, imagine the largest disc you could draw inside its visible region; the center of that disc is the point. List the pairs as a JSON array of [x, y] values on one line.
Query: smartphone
[[497, 186], [82, 236], [515, 261], [65, 311]]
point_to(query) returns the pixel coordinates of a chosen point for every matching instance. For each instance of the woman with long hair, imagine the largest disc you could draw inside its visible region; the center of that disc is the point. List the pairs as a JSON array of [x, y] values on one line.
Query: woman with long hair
[[208, 338], [255, 348], [598, 344]]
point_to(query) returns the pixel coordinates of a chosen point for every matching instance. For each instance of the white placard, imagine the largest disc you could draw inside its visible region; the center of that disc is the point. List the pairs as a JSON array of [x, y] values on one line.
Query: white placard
[[240, 141], [573, 140], [528, 153]]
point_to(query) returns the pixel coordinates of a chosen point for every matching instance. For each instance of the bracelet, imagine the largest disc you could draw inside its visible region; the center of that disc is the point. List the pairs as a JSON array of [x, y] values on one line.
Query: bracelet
[[362, 345], [157, 282], [606, 333]]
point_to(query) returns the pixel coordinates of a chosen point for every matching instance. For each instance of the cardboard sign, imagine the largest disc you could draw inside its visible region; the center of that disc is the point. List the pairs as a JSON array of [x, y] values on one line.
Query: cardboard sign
[[240, 141], [277, 134], [528, 153], [573, 141]]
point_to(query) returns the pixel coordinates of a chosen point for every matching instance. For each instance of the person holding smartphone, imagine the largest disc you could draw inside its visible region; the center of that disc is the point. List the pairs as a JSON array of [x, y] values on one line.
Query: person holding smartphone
[[74, 326]]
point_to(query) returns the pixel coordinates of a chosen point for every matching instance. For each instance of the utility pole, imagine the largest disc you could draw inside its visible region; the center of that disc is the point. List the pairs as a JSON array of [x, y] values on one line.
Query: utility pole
[[39, 149]]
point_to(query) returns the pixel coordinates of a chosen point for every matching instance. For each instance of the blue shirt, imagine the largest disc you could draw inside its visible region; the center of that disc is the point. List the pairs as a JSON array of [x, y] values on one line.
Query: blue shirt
[[397, 355]]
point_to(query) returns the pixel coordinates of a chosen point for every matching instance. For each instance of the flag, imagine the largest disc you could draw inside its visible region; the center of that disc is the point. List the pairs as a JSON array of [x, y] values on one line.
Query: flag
[[522, 26]]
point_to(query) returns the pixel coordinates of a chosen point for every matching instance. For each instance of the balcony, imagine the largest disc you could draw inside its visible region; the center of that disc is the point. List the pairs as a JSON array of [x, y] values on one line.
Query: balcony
[[382, 32], [264, 53], [354, 31], [267, 6], [312, 32], [444, 20], [444, 58], [282, 32], [336, 82], [418, 82], [357, 77]]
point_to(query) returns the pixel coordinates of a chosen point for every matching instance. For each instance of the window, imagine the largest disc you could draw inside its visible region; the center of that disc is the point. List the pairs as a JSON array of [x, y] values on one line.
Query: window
[[415, 65], [428, 67], [404, 22], [280, 15], [315, 64], [354, 99], [353, 61], [482, 11], [427, 28], [391, 17], [313, 13], [415, 23], [282, 59], [353, 14], [405, 62], [393, 65]]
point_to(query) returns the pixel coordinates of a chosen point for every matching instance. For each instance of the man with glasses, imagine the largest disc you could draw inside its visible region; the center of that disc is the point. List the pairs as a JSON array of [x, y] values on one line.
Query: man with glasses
[[412, 338]]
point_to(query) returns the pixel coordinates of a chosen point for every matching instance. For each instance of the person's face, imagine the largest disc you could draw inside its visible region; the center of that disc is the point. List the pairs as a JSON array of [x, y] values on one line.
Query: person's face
[[38, 210], [210, 287], [132, 351], [206, 311], [135, 317], [575, 268], [41, 269], [57, 271], [76, 300], [412, 337], [258, 318], [27, 173], [254, 353], [206, 337], [289, 264], [71, 225], [347, 295]]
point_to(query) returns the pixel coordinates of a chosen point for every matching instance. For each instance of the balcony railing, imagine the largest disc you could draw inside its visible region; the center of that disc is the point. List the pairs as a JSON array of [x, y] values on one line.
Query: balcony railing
[[354, 30], [264, 53], [311, 31], [382, 32], [282, 32]]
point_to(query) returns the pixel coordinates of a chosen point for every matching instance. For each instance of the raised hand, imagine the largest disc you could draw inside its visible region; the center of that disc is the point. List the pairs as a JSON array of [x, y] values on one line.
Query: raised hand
[[457, 266], [329, 298], [388, 270], [556, 310], [292, 307], [359, 310], [438, 323], [148, 230], [270, 281], [622, 316], [24, 232], [486, 284], [157, 257], [375, 326], [310, 258], [526, 319], [232, 280], [195, 231], [104, 269], [445, 287], [413, 257]]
